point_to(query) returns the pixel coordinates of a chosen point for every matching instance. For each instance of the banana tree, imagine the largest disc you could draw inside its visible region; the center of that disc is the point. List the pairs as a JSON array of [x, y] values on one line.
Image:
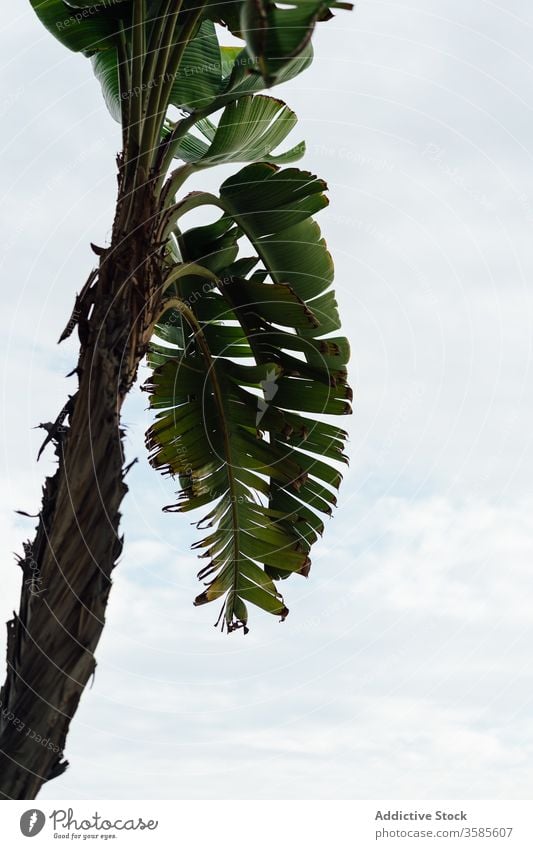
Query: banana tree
[[239, 326]]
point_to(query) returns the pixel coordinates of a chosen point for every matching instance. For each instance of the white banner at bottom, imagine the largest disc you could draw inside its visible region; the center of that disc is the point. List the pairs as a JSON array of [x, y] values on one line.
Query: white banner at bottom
[[446, 824]]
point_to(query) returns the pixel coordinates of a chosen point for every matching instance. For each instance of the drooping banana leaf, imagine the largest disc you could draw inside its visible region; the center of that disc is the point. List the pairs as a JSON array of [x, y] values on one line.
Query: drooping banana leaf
[[208, 74], [277, 43], [275, 34], [249, 129], [244, 367], [82, 27], [247, 357]]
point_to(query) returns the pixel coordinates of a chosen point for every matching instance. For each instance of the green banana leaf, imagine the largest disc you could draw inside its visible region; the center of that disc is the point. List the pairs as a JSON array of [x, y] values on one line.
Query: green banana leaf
[[245, 365]]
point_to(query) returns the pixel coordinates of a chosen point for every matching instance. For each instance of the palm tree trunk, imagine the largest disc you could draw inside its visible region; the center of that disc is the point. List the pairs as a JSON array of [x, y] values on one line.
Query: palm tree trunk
[[67, 567]]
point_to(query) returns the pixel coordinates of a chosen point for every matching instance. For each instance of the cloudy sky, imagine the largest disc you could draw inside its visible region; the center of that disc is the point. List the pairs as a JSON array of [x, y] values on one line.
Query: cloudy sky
[[404, 668]]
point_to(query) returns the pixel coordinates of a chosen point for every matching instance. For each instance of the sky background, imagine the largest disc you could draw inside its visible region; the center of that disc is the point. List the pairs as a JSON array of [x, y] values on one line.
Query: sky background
[[404, 669]]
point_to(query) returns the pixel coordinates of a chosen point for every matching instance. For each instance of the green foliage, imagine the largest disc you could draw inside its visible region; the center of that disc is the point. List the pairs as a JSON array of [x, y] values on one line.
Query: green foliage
[[82, 27], [276, 33], [209, 75], [277, 40], [245, 365], [247, 357], [249, 129]]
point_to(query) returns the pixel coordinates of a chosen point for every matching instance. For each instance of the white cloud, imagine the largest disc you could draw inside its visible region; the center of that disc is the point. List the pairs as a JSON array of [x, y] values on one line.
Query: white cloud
[[402, 671], [469, 562]]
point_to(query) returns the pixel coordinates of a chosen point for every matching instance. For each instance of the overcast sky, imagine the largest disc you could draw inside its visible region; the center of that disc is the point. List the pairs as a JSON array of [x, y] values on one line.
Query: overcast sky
[[404, 668]]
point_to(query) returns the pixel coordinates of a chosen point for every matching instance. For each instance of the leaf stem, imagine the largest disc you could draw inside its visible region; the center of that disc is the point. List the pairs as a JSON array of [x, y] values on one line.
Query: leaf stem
[[192, 321], [187, 268], [137, 62], [124, 83], [157, 72], [172, 68]]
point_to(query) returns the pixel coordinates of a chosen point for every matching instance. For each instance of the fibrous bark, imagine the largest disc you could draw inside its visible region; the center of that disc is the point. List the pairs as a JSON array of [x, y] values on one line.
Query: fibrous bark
[[67, 567]]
